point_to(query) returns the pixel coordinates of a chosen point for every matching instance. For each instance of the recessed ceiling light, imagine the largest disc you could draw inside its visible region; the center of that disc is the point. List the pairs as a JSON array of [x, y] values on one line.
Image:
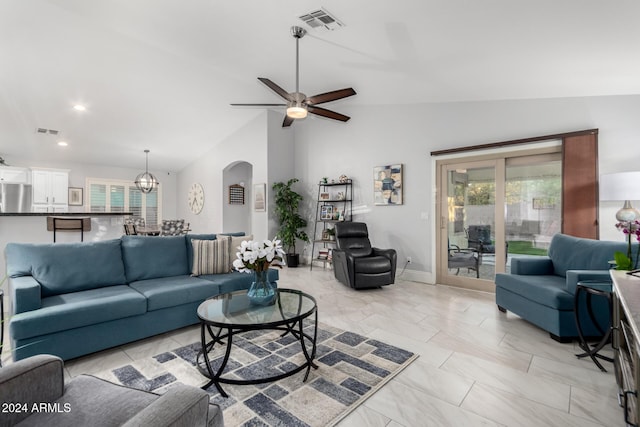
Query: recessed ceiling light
[[79, 107], [62, 143]]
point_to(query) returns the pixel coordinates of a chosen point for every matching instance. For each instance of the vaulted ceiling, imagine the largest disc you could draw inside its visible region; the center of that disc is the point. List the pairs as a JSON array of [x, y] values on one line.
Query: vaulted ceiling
[[160, 74]]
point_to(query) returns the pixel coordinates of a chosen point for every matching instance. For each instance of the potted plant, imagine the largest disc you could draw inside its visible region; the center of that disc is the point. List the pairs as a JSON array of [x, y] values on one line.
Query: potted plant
[[331, 233], [291, 223]]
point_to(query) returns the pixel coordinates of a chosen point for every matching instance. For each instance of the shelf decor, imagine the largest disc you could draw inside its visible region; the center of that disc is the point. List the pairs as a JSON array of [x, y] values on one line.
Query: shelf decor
[[387, 185], [236, 194]]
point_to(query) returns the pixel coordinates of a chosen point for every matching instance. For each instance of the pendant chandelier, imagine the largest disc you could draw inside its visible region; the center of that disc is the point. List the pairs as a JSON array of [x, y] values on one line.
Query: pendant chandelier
[[146, 182]]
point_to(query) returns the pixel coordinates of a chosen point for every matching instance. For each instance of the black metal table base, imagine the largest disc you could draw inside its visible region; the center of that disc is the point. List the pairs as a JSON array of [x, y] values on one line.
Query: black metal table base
[[592, 351], [203, 361]]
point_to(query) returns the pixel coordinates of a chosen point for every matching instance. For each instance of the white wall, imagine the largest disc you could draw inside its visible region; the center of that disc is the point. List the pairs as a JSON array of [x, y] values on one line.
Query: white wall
[[248, 144], [379, 135]]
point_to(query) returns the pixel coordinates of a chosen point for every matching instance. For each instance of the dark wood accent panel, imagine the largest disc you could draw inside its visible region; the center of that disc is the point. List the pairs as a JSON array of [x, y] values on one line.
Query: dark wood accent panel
[[580, 186], [515, 142]]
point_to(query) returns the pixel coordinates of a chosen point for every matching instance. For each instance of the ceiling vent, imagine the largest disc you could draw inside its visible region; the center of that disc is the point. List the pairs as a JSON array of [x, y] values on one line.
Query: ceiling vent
[[321, 19], [47, 131]]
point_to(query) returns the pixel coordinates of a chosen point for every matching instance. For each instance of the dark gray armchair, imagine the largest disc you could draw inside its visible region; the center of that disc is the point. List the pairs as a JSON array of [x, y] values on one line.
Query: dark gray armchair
[[89, 401], [356, 263]]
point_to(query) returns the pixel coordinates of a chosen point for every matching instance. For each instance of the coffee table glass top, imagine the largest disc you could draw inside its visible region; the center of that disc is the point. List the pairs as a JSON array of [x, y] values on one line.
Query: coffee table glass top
[[235, 309]]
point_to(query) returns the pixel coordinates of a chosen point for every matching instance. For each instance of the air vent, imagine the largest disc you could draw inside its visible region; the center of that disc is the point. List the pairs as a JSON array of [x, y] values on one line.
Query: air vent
[[47, 131], [321, 19]]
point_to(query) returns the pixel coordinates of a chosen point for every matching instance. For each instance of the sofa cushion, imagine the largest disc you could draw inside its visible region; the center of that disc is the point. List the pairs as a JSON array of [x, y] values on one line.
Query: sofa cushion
[[545, 290], [150, 257], [189, 246], [173, 291], [77, 309], [236, 281], [574, 253], [68, 267], [211, 256]]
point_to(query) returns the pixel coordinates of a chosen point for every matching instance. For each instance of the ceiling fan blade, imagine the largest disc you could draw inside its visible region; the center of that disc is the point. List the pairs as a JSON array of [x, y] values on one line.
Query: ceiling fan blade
[[258, 105], [277, 89], [330, 96], [327, 113], [288, 121]]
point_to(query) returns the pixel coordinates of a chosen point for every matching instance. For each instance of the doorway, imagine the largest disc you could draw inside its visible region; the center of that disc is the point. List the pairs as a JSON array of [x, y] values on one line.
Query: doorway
[[494, 208]]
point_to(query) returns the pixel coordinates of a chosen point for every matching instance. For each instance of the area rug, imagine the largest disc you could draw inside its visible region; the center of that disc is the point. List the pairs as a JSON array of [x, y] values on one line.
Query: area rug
[[351, 367]]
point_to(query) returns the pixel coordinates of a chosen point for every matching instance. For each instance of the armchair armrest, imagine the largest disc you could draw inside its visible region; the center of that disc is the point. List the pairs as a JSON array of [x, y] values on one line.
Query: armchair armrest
[[25, 294], [392, 255], [180, 406], [343, 266], [532, 266], [33, 380], [576, 276]]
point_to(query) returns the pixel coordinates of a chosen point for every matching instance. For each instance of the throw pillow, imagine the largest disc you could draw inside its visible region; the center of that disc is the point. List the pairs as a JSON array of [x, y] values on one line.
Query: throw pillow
[[236, 241], [211, 256]]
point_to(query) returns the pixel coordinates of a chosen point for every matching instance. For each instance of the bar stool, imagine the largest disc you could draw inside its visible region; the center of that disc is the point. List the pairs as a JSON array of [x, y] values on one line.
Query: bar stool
[[62, 223], [594, 289]]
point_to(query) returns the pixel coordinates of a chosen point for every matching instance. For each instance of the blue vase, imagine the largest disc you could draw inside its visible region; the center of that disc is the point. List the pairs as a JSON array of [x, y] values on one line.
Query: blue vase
[[261, 292]]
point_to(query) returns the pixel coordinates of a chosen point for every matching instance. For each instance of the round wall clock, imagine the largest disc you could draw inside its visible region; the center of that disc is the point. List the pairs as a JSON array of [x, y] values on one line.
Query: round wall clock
[[196, 198]]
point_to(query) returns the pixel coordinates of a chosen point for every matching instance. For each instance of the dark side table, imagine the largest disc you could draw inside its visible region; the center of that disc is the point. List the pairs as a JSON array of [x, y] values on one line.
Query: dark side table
[[599, 289]]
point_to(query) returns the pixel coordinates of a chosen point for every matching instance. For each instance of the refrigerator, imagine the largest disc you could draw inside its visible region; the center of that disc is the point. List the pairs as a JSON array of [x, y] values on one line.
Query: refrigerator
[[15, 198]]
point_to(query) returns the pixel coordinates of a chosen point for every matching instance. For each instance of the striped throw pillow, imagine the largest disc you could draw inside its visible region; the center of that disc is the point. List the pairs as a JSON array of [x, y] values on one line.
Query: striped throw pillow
[[211, 256]]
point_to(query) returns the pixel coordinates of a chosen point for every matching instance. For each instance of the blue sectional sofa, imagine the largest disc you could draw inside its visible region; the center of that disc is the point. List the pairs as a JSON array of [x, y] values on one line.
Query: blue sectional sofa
[[72, 299], [542, 290]]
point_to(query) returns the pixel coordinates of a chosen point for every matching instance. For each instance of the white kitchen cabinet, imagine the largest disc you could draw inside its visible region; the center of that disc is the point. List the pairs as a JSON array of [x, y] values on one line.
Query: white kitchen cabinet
[[50, 188], [14, 175]]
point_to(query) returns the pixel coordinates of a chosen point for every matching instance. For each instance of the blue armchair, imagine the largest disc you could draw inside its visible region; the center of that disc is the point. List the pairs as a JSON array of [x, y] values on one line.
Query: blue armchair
[[542, 290]]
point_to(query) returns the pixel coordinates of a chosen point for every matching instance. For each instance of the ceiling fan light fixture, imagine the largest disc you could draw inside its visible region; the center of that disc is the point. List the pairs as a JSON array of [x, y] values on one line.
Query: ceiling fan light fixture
[[296, 112]]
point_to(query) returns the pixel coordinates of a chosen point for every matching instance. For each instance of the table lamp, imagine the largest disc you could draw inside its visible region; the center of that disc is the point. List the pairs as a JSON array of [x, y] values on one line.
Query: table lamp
[[621, 186]]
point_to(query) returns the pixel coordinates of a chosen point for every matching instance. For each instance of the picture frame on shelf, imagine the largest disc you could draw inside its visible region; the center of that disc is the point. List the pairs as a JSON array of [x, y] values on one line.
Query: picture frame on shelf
[[325, 196], [76, 197], [326, 212]]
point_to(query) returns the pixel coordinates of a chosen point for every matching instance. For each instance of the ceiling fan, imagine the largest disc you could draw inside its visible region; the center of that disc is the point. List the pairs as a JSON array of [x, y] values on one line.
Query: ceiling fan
[[298, 104]]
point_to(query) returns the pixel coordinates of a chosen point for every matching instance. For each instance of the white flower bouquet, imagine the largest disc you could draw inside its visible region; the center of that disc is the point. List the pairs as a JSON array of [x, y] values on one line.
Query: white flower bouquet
[[259, 256]]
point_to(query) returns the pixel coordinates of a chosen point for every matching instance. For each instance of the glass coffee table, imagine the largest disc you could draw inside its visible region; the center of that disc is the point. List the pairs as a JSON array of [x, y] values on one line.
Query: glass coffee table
[[233, 314]]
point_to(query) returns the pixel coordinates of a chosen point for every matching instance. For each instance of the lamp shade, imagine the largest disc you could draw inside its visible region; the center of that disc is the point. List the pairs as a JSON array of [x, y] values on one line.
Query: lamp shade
[[620, 186]]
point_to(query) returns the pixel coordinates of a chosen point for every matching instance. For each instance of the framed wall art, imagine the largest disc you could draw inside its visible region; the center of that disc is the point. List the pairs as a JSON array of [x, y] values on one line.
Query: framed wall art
[[260, 197], [387, 185], [75, 196]]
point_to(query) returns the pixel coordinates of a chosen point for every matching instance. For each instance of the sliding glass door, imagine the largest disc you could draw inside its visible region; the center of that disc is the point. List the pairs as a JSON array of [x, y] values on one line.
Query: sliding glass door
[[493, 210]]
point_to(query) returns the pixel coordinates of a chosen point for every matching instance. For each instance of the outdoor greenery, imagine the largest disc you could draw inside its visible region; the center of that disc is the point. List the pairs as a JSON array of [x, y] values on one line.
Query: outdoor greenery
[[290, 221], [523, 247]]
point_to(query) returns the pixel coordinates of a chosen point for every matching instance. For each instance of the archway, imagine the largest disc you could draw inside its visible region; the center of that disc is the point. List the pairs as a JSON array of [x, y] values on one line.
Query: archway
[[237, 179]]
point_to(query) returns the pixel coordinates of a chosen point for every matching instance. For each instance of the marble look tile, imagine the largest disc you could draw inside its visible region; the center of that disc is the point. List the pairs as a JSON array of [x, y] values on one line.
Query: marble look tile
[[541, 346], [410, 407], [444, 385], [429, 352], [511, 410], [596, 407], [586, 376], [395, 325], [502, 377], [93, 363], [365, 416], [512, 358]]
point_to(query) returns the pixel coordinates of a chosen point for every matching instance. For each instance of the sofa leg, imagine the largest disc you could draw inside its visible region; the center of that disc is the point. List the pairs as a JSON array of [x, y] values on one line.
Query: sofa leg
[[502, 309], [563, 340]]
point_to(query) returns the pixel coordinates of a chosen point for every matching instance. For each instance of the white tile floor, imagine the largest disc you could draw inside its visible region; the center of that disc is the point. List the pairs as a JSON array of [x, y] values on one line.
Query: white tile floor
[[477, 366]]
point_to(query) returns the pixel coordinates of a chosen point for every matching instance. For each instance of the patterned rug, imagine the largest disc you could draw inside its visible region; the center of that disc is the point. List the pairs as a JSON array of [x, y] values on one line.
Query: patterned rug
[[351, 368]]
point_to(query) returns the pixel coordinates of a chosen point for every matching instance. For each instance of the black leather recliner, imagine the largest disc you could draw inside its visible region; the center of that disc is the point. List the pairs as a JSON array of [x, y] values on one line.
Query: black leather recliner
[[356, 263]]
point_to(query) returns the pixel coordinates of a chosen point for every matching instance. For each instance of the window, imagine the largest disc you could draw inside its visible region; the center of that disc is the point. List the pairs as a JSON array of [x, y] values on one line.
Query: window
[[123, 196]]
